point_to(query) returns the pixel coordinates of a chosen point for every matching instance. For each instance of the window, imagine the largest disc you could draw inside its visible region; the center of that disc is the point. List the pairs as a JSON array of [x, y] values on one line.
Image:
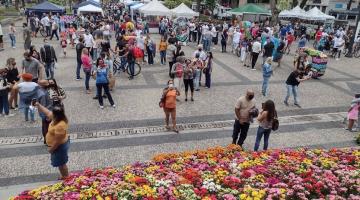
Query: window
[[338, 5], [317, 1], [342, 17], [351, 17]]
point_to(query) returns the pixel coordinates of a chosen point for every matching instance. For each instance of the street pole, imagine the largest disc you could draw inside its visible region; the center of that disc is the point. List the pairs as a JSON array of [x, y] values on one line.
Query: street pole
[[350, 54]]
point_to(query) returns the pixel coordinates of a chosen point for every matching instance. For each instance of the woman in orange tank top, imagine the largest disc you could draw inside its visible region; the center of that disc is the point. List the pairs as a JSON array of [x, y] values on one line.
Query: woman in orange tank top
[[170, 94]]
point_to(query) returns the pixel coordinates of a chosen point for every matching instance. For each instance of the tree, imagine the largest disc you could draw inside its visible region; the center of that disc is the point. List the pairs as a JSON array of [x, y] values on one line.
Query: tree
[[274, 12], [174, 3], [348, 6], [303, 3], [296, 2], [283, 5], [17, 4], [210, 4]]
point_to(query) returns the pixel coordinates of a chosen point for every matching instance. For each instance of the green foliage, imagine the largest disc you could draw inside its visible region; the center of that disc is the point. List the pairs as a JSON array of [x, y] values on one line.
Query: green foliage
[[174, 3], [58, 2], [358, 139], [210, 4], [283, 4]]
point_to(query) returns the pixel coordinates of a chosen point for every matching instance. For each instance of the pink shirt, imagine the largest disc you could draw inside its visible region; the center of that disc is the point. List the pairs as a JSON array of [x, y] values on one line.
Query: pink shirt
[[86, 61]]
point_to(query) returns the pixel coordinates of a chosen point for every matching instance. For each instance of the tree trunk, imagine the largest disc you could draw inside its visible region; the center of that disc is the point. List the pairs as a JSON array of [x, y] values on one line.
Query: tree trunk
[[274, 12], [348, 6], [17, 4], [303, 3], [294, 3]]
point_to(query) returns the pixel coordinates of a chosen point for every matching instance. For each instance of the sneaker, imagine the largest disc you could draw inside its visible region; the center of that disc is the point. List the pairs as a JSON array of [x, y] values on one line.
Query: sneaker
[[297, 105], [77, 79], [253, 69], [197, 90], [104, 96], [192, 99], [101, 107], [95, 97], [186, 99], [9, 115], [337, 59], [286, 103], [114, 106]]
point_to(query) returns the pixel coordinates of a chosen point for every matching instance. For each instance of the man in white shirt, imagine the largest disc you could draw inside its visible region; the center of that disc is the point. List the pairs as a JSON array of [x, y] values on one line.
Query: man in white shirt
[[202, 53], [45, 21], [214, 35], [192, 29], [88, 40], [339, 44], [256, 49], [236, 39]]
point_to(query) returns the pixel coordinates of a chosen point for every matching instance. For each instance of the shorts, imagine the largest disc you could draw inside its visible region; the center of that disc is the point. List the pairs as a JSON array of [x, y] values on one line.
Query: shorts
[[187, 83], [1, 39], [60, 156]]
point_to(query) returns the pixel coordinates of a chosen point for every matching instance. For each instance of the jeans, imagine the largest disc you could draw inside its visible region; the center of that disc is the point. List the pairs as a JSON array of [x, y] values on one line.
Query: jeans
[[208, 79], [206, 44], [260, 132], [27, 111], [197, 79], [223, 47], [99, 87], [131, 66], [4, 104], [78, 67], [265, 85], [48, 30], [254, 59], [242, 129], [123, 62], [170, 67], [12, 40], [54, 32], [292, 89], [87, 79], [163, 57], [49, 70], [150, 56]]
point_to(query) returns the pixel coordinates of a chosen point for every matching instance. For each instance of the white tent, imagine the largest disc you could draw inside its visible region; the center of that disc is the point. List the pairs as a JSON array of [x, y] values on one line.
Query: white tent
[[316, 15], [285, 14], [90, 9], [183, 11], [155, 8], [296, 12]]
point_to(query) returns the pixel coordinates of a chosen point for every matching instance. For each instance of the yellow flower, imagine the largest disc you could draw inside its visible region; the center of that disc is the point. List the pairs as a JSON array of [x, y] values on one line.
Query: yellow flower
[[243, 196]]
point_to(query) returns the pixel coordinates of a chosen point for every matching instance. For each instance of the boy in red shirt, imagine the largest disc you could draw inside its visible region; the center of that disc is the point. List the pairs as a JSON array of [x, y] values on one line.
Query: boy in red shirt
[[290, 38]]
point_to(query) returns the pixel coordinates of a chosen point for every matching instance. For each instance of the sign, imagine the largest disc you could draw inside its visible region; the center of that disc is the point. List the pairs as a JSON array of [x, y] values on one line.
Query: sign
[[339, 5]]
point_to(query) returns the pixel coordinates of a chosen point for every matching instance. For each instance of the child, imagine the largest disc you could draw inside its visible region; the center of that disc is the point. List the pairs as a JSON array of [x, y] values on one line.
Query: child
[[63, 44], [353, 112]]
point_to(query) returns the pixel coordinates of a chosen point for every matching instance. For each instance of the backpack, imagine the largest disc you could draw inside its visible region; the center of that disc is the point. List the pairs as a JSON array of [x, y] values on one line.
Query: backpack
[[47, 54], [275, 123]]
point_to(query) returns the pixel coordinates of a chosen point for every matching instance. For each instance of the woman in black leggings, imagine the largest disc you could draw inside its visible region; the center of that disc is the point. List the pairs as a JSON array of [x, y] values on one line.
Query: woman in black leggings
[[188, 80]]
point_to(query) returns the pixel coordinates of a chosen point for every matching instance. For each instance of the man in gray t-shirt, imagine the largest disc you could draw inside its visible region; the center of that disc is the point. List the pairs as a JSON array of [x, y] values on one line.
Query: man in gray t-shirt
[[32, 66]]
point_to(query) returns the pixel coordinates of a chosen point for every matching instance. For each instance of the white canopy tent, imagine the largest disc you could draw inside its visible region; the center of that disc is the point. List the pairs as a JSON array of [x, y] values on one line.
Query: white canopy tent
[[155, 8], [135, 7], [296, 12], [90, 9], [183, 11], [285, 14], [316, 15]]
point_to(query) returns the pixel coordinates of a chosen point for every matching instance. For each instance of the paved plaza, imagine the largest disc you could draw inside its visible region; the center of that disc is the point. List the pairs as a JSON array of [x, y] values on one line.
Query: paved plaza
[[134, 131]]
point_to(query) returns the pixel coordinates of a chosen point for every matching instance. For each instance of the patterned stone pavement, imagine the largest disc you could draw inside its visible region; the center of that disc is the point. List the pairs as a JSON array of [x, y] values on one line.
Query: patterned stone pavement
[[134, 130]]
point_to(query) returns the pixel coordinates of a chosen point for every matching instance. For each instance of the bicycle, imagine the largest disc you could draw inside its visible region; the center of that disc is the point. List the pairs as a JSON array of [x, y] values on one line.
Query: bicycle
[[42, 30], [117, 67], [356, 51]]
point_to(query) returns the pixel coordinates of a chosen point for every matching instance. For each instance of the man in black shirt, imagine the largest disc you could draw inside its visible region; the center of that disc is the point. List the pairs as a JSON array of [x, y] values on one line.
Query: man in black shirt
[[292, 83], [79, 47], [268, 49]]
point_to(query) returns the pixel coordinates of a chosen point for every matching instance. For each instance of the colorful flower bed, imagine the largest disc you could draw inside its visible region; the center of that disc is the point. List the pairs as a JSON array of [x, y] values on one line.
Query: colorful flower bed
[[218, 173]]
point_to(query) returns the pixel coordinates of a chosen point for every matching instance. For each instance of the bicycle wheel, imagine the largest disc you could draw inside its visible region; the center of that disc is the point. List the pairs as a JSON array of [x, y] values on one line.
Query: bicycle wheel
[[43, 33], [137, 69], [357, 53]]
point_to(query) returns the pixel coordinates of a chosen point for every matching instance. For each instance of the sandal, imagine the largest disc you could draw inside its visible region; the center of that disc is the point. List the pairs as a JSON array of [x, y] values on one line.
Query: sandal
[[168, 128]]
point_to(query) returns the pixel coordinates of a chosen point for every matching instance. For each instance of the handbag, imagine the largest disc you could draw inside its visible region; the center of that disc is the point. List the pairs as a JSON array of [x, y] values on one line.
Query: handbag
[[163, 98], [275, 123]]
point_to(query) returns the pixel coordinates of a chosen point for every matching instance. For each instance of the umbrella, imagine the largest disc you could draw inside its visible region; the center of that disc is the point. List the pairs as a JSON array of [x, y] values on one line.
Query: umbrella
[[249, 8]]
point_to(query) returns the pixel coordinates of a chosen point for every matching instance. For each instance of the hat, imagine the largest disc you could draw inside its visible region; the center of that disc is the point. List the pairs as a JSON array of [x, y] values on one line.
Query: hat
[[27, 77], [200, 46]]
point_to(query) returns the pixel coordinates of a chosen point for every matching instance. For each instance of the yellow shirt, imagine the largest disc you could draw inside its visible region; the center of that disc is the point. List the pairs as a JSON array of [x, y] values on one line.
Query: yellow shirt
[[162, 46], [57, 132]]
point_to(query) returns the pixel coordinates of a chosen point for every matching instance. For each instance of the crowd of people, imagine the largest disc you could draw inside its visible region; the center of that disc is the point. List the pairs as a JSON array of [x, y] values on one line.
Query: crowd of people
[[96, 55]]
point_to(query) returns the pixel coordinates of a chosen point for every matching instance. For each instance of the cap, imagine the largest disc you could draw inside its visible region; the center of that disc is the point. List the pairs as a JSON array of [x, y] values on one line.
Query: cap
[[27, 77]]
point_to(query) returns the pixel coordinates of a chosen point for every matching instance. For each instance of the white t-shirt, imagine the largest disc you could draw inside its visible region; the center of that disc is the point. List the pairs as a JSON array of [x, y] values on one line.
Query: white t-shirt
[[236, 38], [107, 29], [256, 48], [192, 26], [140, 43], [203, 55], [27, 86], [339, 43], [45, 21], [88, 40], [204, 29], [213, 31]]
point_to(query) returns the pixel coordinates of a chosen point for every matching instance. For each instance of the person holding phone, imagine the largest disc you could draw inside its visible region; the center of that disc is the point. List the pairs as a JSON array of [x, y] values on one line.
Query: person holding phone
[[57, 137]]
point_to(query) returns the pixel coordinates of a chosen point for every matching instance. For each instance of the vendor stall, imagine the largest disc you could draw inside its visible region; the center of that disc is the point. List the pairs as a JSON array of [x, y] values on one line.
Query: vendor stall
[[183, 11], [90, 9], [317, 60], [85, 3], [45, 7], [250, 9], [155, 8]]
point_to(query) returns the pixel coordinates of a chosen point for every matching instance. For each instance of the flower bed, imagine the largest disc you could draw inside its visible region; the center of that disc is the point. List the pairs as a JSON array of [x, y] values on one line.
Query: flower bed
[[218, 173]]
